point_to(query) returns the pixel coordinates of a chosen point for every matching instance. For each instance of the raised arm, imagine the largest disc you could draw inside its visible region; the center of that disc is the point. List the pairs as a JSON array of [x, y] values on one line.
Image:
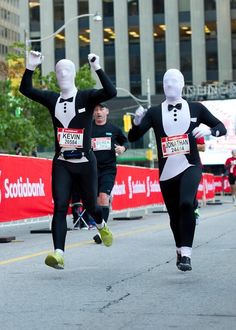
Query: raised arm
[[108, 91], [26, 87]]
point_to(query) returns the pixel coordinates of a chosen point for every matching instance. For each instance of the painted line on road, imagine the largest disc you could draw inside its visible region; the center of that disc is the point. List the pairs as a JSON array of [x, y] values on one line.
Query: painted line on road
[[81, 244], [88, 242]]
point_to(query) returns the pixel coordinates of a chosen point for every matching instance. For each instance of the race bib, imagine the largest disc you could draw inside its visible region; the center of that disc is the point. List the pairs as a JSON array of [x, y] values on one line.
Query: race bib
[[101, 143], [70, 137], [175, 145]]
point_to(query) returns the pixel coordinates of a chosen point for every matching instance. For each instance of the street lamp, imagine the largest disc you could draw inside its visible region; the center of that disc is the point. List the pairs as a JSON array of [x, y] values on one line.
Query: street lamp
[[96, 17], [140, 102], [136, 99]]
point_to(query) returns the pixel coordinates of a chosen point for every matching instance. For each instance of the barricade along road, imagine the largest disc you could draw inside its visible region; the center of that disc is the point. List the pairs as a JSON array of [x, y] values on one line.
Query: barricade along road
[[133, 284]]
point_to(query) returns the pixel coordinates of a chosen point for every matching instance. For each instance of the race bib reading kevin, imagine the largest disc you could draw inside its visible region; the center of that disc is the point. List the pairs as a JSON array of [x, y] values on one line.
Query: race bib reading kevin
[[101, 143], [70, 137], [175, 145]]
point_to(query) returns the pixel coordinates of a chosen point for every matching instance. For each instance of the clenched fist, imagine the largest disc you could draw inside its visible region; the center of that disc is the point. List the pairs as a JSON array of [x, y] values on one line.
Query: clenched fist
[[139, 114], [201, 132], [33, 60], [94, 61]]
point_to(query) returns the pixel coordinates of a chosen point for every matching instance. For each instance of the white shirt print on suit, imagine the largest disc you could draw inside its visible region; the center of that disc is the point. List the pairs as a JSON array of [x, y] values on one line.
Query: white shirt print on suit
[[65, 111], [175, 164]]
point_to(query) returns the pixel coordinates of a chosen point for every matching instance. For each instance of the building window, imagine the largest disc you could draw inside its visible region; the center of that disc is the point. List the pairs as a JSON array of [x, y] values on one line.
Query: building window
[[109, 38], [158, 7], [133, 7], [185, 33], [134, 47], [59, 20], [211, 41], [84, 33], [210, 4]]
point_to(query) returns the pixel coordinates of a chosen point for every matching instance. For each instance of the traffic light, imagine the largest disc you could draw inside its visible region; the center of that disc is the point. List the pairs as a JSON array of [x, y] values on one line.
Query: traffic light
[[127, 122], [149, 154]]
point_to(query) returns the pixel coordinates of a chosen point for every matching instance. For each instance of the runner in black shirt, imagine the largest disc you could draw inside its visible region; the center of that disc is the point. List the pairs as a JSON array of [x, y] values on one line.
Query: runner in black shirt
[[74, 161], [108, 141]]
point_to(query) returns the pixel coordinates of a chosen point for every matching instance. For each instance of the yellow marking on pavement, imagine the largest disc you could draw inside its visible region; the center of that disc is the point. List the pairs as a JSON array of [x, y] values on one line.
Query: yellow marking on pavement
[[123, 234], [81, 244], [217, 213]]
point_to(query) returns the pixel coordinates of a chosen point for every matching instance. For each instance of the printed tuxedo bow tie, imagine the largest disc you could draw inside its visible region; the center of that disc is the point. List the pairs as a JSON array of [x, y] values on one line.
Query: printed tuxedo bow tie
[[178, 106], [66, 100]]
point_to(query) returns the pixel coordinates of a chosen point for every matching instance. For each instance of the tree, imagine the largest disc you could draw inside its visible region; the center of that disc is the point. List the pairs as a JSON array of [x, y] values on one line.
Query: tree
[[24, 121]]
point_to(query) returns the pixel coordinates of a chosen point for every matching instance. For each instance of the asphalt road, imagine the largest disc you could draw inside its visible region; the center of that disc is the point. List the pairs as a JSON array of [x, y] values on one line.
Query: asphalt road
[[132, 285]]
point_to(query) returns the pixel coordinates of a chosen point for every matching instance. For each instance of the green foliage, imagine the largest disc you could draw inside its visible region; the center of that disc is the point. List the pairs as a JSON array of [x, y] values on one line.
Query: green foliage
[[24, 121], [84, 79]]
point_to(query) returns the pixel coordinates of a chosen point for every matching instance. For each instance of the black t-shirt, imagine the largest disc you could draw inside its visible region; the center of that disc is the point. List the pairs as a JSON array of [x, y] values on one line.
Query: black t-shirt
[[104, 138]]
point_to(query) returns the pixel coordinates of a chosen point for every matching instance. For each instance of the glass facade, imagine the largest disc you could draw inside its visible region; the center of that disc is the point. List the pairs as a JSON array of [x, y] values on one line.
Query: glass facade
[[109, 38], [84, 32], [159, 43], [134, 49], [59, 20], [134, 45], [211, 41], [9, 25]]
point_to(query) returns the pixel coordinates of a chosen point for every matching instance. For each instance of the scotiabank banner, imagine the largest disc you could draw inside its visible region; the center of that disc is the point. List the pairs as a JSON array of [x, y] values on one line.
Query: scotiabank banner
[[136, 187], [206, 188], [25, 187]]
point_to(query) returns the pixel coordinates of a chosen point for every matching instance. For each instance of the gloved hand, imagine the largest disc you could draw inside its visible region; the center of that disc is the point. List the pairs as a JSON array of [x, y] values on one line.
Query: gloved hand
[[33, 60], [119, 149], [139, 114], [201, 131], [94, 61]]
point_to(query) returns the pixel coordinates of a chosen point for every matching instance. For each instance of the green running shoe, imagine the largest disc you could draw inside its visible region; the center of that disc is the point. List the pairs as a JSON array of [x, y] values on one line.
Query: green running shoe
[[106, 235], [55, 260], [197, 215]]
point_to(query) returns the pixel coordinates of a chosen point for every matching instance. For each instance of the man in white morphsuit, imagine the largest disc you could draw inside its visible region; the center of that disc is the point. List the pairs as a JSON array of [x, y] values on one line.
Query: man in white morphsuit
[[74, 162], [176, 126]]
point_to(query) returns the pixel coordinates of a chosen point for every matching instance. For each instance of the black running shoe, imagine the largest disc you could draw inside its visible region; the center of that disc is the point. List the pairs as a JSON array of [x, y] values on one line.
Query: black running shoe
[[97, 239], [178, 259], [185, 264]]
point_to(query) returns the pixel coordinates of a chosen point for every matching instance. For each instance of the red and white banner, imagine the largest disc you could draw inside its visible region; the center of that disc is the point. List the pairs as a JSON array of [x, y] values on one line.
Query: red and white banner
[[136, 187], [25, 188], [206, 189], [222, 185], [226, 185], [218, 182]]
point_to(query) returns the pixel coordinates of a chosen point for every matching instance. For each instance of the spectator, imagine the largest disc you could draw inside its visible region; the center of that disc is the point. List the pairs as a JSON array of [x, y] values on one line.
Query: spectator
[[230, 166]]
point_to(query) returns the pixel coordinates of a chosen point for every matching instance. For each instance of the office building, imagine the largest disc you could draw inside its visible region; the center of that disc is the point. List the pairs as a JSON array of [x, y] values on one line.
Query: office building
[[9, 25], [9, 30], [138, 39]]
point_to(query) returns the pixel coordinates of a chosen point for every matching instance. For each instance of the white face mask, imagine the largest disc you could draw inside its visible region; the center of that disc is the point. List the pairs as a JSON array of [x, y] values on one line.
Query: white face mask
[[173, 83], [65, 73]]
